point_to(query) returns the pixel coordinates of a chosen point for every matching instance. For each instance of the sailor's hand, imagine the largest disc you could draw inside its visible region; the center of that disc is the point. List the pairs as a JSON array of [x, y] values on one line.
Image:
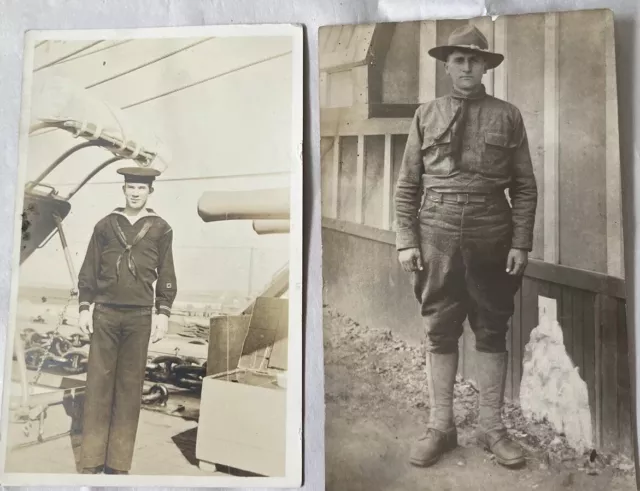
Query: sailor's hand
[[85, 323], [517, 262], [160, 327], [411, 259]]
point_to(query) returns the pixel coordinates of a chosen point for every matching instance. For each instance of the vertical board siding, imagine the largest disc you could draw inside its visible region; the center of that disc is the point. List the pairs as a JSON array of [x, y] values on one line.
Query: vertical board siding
[[397, 151], [578, 327], [335, 176], [348, 172], [372, 195], [598, 370], [586, 319], [360, 180], [588, 371], [326, 172], [566, 319], [387, 185], [625, 425], [582, 138], [609, 369]]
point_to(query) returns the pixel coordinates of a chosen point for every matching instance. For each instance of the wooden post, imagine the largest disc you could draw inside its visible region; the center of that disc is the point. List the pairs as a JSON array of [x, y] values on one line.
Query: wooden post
[[500, 46], [360, 163], [551, 141], [615, 249], [335, 177], [427, 64], [387, 184], [598, 369]]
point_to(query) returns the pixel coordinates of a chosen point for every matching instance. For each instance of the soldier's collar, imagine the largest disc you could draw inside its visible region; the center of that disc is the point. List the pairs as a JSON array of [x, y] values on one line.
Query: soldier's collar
[[479, 94]]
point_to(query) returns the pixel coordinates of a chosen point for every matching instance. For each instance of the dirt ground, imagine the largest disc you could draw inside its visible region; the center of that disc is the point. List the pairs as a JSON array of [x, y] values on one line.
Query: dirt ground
[[377, 403]]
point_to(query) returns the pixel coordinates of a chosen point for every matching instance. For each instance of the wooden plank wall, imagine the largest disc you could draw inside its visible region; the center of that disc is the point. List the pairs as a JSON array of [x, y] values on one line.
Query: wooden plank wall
[[594, 328]]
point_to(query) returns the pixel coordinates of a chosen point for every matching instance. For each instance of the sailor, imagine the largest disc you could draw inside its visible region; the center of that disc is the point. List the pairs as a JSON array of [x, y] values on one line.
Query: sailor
[[130, 249], [465, 244]]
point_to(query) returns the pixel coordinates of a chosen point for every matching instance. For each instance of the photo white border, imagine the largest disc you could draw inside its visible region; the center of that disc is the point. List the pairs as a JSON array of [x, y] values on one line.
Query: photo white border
[[294, 430]]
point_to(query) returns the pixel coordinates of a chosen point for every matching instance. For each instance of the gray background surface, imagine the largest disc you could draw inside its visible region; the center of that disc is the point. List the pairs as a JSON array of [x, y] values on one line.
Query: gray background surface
[[16, 16]]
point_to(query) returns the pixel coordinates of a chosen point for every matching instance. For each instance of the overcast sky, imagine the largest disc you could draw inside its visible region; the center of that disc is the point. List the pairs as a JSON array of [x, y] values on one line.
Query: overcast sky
[[239, 123]]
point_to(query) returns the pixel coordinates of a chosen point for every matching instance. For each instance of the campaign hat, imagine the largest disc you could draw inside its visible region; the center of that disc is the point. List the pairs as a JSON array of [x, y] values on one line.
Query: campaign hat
[[467, 38]]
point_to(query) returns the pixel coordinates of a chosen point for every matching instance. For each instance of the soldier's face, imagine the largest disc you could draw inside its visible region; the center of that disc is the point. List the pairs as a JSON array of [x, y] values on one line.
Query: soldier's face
[[465, 69], [136, 194]]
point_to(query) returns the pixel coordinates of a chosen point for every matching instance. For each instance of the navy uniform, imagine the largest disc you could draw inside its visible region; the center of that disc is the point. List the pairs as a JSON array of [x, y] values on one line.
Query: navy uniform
[[123, 261], [463, 152]]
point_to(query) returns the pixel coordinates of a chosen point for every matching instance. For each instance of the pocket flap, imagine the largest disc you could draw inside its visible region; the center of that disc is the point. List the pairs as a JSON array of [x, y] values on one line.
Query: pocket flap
[[438, 137], [497, 139]]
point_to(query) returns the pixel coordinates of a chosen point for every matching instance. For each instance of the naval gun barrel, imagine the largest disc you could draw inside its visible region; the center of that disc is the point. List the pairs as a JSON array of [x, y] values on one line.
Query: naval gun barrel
[[261, 204]]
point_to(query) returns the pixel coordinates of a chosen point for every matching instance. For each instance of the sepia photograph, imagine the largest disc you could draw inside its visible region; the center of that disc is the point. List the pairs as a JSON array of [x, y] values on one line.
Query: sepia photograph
[[155, 333], [474, 298]]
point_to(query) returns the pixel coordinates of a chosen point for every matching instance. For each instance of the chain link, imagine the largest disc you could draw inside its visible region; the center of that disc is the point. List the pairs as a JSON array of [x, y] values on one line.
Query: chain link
[[61, 318]]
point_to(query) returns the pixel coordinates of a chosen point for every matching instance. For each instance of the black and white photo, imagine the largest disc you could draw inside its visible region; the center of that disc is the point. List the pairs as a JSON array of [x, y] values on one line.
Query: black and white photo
[[156, 315], [475, 321]]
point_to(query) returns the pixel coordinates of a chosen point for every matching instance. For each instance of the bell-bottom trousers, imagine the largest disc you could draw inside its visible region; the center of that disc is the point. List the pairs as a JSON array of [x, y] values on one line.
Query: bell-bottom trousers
[[115, 377]]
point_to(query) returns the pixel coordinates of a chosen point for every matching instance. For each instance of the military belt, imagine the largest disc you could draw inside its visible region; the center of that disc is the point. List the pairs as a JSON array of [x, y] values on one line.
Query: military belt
[[460, 198]]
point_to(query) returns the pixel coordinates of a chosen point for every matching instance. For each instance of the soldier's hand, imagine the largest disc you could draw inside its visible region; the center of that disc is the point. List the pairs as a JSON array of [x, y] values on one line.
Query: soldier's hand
[[160, 327], [517, 262], [411, 259], [84, 322]]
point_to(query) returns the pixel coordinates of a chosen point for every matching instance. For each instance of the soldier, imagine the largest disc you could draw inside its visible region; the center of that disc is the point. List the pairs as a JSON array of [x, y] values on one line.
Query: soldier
[[465, 245], [130, 249]]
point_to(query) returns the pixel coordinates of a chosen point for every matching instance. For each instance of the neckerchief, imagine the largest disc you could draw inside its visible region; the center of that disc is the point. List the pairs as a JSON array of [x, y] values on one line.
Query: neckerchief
[[131, 264], [460, 119]]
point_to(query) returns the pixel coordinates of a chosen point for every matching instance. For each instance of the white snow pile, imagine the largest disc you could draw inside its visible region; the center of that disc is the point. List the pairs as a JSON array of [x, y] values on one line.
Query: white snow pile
[[551, 386]]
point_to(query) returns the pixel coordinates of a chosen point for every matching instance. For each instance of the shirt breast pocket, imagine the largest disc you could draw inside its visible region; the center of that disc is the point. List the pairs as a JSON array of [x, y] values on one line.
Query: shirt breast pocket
[[437, 153], [497, 154]]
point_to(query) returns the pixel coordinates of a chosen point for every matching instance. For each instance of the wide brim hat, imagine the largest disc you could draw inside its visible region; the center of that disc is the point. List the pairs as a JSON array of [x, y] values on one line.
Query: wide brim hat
[[145, 175], [467, 38]]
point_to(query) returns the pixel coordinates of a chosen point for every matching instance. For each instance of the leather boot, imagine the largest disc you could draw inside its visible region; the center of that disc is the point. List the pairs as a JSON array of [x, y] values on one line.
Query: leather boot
[[441, 433], [491, 377]]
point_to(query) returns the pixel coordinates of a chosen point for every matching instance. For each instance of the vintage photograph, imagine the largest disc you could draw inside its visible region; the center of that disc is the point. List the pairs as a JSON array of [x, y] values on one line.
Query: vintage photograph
[[475, 325], [156, 317]]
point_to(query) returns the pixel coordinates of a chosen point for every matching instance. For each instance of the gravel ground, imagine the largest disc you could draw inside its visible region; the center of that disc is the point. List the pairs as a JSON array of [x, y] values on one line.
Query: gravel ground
[[370, 372]]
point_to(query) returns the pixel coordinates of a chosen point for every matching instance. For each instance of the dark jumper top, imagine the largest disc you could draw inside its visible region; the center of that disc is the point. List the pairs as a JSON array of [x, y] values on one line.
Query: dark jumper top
[[111, 274]]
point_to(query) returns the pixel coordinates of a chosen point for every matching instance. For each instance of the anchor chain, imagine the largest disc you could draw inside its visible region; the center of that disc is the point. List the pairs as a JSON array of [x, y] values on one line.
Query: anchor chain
[[61, 318]]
